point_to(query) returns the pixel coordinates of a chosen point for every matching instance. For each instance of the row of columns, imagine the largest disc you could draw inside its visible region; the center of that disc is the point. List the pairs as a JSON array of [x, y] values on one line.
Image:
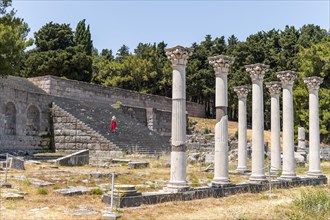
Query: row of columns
[[178, 56]]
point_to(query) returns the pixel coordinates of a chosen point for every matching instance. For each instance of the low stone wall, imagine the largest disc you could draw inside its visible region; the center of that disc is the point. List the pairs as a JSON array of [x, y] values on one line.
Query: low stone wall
[[149, 198], [72, 135], [81, 91], [23, 145]]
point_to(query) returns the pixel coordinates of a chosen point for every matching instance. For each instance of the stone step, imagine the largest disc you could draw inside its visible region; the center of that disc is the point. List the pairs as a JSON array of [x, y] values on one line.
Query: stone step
[[130, 134]]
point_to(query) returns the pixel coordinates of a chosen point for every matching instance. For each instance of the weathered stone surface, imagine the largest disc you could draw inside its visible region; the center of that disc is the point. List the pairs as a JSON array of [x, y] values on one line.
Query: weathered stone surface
[[16, 163], [209, 158], [120, 160], [83, 212], [325, 153], [138, 164], [39, 183], [108, 215], [124, 196], [300, 159], [22, 116], [12, 196], [74, 190], [79, 158], [102, 175], [34, 181]]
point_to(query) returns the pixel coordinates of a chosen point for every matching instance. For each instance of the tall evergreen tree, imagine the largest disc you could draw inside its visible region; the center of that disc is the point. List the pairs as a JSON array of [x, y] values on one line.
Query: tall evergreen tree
[[83, 37], [56, 54], [122, 52]]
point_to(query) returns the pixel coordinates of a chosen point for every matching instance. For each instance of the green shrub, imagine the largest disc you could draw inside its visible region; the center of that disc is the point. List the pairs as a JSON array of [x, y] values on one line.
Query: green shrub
[[42, 191], [56, 186], [96, 191]]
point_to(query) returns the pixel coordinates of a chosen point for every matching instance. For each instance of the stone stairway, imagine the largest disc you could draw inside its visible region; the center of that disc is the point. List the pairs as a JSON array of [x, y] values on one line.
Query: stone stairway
[[131, 136]]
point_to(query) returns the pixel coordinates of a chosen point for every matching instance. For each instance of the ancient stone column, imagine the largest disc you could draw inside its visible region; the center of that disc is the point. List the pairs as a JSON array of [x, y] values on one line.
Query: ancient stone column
[[287, 78], [242, 92], [313, 84], [221, 65], [275, 91], [178, 56], [257, 73], [301, 139]]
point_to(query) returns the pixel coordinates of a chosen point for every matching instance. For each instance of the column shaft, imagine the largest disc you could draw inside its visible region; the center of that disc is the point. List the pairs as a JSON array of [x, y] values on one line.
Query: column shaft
[[178, 56], [314, 135], [275, 134], [178, 132], [221, 131], [288, 134], [258, 155], [242, 136], [221, 66]]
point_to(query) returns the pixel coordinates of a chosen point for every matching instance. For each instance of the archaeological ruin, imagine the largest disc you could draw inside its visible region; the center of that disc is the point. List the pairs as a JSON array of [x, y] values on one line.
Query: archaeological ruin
[[48, 113]]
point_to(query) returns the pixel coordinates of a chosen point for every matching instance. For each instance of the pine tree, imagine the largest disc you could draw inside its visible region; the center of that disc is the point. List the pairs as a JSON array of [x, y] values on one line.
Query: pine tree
[[83, 37]]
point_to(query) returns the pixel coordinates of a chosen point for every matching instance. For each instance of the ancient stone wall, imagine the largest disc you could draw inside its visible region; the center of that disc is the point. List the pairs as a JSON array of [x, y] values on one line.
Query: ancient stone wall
[[80, 90], [24, 116], [72, 135], [156, 120]]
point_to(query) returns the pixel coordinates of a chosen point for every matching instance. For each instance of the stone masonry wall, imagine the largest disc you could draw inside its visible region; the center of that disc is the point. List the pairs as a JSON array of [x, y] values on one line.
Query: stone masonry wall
[[82, 91], [72, 135], [156, 120], [24, 116]]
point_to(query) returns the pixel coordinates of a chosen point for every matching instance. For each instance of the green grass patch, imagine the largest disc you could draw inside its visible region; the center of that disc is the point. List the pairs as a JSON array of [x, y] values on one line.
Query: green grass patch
[[312, 204], [42, 191], [96, 191]]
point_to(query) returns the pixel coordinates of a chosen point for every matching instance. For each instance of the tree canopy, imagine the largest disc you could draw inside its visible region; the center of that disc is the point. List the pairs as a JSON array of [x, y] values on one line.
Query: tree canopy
[[13, 40], [58, 52]]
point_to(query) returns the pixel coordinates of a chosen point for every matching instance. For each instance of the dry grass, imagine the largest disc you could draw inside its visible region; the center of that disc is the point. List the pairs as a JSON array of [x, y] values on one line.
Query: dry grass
[[56, 206], [242, 206]]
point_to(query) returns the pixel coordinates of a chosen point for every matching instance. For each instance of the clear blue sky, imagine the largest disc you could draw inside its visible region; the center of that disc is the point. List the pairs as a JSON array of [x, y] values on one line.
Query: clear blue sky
[[114, 23]]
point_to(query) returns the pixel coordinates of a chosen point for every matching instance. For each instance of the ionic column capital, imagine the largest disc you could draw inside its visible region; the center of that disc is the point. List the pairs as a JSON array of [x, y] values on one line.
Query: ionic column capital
[[242, 91], [287, 77], [257, 71], [313, 83], [274, 88], [221, 64], [178, 55]]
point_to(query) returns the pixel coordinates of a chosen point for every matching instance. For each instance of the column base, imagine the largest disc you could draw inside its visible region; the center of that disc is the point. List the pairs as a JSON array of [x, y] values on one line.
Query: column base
[[181, 186], [288, 177], [221, 182], [258, 178], [242, 170], [315, 174], [274, 172]]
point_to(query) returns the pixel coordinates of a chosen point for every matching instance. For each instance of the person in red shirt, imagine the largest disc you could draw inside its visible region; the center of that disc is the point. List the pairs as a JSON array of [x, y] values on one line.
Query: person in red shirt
[[113, 124]]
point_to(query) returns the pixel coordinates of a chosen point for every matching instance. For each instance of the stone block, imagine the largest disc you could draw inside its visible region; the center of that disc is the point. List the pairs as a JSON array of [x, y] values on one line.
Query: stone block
[[137, 164], [16, 163], [79, 158], [71, 191], [13, 196], [124, 196]]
